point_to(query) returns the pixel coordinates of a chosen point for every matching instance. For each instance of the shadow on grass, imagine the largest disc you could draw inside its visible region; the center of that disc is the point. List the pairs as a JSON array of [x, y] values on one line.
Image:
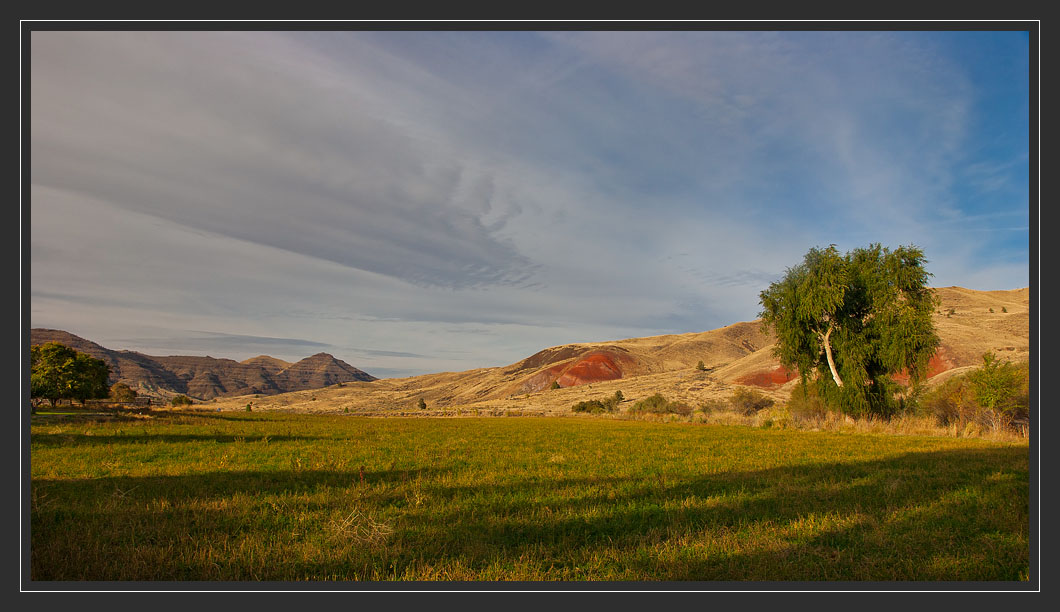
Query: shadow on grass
[[140, 437], [943, 515]]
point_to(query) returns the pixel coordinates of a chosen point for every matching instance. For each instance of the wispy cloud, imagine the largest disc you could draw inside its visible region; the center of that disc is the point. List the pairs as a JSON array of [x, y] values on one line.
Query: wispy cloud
[[398, 196]]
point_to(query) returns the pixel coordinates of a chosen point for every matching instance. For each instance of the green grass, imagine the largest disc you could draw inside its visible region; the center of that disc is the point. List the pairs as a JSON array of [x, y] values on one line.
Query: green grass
[[266, 496]]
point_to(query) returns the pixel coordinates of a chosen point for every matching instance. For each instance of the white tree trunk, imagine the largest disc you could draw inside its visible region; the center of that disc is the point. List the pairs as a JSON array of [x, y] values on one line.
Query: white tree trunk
[[828, 354]]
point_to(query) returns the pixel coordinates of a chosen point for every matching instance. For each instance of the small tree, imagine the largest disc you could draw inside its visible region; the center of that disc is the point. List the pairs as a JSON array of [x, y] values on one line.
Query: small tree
[[122, 392], [181, 400], [702, 367], [555, 385], [422, 404], [1000, 388], [60, 372]]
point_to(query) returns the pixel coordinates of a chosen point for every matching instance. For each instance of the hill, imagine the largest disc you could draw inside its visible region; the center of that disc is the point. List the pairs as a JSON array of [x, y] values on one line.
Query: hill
[[969, 323], [208, 377]]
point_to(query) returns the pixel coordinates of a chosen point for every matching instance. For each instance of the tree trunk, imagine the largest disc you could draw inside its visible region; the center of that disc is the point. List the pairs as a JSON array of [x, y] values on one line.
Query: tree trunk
[[828, 354]]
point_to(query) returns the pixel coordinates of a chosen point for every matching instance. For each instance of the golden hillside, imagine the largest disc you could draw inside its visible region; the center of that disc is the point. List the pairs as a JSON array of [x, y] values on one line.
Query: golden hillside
[[736, 355]]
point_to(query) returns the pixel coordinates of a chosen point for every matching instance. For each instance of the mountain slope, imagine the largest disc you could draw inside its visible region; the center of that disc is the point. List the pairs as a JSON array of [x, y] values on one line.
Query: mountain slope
[[209, 377], [736, 355]]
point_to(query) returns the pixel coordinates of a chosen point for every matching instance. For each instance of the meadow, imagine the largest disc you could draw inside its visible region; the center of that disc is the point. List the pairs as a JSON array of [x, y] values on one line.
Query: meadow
[[238, 496]]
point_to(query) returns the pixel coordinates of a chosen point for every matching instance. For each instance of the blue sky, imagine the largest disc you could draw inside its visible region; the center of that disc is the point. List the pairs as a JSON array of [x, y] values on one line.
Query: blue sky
[[418, 202]]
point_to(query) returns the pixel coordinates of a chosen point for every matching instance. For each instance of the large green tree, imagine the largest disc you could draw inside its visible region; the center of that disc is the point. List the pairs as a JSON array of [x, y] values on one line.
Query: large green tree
[[850, 321], [60, 372]]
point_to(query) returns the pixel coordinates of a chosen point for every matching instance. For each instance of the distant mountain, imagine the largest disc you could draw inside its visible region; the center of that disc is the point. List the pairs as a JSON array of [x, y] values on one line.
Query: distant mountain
[[209, 377]]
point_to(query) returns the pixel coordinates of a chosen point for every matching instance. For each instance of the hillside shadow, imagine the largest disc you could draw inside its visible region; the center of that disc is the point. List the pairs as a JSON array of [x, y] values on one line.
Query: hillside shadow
[[939, 515]]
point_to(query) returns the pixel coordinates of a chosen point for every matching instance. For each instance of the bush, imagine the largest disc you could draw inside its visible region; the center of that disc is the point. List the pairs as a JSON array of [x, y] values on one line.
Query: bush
[[121, 392], [657, 404], [555, 385], [590, 406], [806, 404], [680, 408], [422, 404], [702, 367], [181, 400], [996, 395], [249, 409], [1003, 309], [597, 406], [713, 405], [748, 401]]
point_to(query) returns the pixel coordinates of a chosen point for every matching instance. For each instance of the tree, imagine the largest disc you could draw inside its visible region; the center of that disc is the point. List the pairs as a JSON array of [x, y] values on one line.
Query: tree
[[60, 372], [181, 400], [702, 367], [122, 392], [1001, 389], [422, 404], [554, 385], [852, 320]]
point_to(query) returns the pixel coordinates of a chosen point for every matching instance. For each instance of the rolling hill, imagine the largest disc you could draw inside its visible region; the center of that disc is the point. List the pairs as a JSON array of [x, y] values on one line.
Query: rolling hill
[[969, 323]]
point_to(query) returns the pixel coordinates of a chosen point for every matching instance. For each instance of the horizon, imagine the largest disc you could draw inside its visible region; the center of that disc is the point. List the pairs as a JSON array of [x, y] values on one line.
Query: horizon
[[292, 360], [420, 202]]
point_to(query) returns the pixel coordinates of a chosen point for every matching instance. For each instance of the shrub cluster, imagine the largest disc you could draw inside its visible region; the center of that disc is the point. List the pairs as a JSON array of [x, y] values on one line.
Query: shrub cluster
[[181, 400], [995, 396], [748, 401], [657, 404], [597, 406]]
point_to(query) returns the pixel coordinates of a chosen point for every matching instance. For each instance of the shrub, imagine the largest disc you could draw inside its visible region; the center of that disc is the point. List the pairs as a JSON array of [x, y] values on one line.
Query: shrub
[[590, 406], [181, 400], [657, 404], [555, 385], [806, 404], [996, 395], [680, 408], [713, 405], [1003, 309], [121, 392], [991, 310], [609, 404], [249, 408], [748, 401], [422, 404], [702, 367]]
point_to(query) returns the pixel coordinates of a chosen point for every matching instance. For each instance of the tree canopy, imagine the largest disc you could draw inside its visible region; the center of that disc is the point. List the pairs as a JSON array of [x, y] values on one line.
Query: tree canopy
[[852, 320], [60, 372]]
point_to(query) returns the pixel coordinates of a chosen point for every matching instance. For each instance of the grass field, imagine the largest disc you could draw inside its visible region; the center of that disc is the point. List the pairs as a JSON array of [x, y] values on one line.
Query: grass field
[[254, 496]]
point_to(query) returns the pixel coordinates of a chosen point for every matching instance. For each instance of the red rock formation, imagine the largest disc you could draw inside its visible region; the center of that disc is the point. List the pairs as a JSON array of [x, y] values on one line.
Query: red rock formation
[[939, 363], [770, 378], [589, 367]]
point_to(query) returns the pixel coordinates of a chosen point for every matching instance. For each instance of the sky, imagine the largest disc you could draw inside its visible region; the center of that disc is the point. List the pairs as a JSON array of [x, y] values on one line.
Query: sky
[[417, 202]]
